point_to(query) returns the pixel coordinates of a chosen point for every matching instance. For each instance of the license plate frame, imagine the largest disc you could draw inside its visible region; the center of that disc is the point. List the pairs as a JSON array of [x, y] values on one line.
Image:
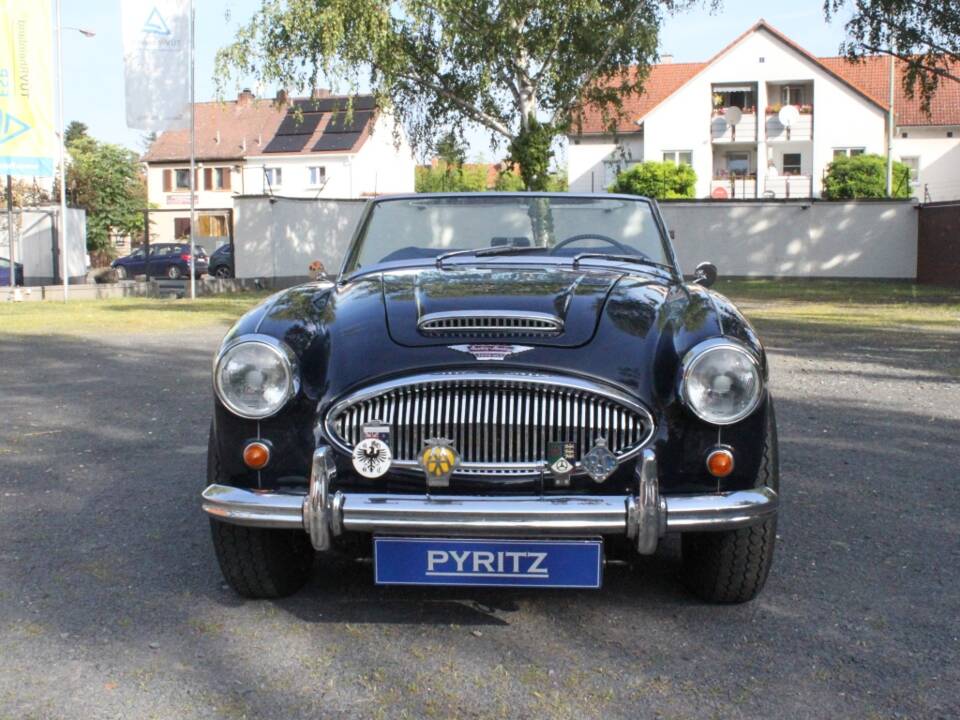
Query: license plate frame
[[559, 564]]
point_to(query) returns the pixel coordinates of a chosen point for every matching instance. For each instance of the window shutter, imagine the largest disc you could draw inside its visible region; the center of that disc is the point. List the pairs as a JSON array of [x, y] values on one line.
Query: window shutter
[[196, 178], [167, 180], [208, 179], [226, 178]]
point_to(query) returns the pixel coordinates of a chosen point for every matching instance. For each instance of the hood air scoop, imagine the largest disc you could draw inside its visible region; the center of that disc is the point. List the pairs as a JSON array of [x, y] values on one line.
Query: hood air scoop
[[481, 323]]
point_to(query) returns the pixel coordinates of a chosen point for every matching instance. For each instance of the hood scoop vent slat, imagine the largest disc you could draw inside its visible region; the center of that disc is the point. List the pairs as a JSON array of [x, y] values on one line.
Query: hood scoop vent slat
[[478, 323]]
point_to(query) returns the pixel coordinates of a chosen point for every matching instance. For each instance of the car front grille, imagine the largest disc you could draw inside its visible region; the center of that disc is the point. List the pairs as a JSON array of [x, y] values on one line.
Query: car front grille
[[499, 423]]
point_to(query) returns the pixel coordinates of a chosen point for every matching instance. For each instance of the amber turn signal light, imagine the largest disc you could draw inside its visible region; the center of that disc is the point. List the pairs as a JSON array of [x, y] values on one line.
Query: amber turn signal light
[[720, 462], [256, 455]]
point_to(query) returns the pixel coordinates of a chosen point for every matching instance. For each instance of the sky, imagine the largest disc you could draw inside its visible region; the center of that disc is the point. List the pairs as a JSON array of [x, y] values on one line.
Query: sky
[[93, 67]]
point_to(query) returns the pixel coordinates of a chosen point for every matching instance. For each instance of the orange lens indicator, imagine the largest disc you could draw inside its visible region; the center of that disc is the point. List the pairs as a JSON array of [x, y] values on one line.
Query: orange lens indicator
[[720, 462], [256, 455]]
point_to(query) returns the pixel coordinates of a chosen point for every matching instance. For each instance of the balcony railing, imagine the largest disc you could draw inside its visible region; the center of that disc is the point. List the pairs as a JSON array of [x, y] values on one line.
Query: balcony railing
[[733, 187], [802, 129], [788, 186], [721, 130]]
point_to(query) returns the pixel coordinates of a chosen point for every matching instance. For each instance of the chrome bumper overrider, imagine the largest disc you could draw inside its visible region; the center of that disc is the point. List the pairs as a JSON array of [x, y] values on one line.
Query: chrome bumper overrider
[[644, 517]]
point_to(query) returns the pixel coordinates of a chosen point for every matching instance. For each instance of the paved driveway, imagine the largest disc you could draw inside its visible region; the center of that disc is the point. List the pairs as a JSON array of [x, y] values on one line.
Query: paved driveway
[[111, 604]]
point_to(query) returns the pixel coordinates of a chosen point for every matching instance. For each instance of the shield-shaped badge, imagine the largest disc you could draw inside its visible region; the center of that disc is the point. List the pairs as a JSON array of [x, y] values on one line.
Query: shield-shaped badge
[[600, 462], [438, 459]]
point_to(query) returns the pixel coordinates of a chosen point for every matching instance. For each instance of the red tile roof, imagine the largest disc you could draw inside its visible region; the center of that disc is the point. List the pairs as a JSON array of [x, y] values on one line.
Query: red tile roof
[[233, 130], [870, 78], [661, 83]]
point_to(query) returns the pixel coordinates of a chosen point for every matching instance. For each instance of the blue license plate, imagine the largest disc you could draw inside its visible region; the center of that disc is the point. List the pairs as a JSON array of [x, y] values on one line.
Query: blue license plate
[[523, 563]]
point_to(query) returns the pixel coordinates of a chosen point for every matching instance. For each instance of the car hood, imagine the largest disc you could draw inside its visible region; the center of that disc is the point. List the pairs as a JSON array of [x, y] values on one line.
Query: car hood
[[573, 299]]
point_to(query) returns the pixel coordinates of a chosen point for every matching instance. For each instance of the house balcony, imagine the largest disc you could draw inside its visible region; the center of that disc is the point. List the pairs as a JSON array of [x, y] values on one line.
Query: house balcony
[[788, 186], [744, 131], [733, 187], [800, 129]]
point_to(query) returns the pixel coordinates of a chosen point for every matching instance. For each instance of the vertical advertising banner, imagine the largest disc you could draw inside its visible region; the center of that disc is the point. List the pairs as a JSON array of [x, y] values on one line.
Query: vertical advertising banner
[[156, 63], [27, 139]]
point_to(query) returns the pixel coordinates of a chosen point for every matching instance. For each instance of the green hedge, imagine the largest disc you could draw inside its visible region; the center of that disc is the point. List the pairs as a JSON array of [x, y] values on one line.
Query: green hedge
[[661, 180], [864, 176]]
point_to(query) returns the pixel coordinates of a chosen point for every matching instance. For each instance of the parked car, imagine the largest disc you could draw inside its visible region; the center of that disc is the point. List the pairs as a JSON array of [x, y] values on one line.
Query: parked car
[[171, 260], [498, 389], [5, 273], [221, 262]]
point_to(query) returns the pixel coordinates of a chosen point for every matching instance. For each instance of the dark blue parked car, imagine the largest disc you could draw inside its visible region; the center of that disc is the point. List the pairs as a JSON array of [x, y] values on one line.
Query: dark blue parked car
[[5, 273], [171, 260], [221, 262]]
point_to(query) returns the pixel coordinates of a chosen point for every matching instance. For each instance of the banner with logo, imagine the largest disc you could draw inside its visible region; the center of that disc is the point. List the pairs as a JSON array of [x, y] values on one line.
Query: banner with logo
[[27, 140], [156, 62]]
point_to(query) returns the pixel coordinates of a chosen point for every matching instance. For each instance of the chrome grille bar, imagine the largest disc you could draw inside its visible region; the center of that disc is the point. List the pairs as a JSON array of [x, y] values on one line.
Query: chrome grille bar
[[499, 322], [500, 423]]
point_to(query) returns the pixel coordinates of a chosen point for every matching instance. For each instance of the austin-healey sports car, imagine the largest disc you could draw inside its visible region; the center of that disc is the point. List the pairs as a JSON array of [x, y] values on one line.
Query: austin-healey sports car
[[497, 389]]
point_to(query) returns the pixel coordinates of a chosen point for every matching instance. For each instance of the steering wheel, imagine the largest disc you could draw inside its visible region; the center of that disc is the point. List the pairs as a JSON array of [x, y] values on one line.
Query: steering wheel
[[592, 236]]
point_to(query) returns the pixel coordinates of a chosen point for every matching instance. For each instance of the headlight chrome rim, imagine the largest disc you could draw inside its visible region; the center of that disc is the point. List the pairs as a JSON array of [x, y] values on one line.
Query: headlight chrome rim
[[696, 354], [289, 363]]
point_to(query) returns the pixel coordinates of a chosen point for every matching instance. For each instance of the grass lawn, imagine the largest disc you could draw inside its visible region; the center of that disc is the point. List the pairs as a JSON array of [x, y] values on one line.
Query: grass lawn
[[836, 304], [123, 315], [847, 304]]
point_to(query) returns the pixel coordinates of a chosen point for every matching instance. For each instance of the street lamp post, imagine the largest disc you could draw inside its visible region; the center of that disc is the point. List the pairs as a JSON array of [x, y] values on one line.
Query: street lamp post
[[64, 267]]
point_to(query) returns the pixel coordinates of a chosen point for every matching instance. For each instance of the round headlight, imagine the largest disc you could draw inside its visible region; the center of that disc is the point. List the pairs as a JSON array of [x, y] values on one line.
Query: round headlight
[[721, 382], [254, 378]]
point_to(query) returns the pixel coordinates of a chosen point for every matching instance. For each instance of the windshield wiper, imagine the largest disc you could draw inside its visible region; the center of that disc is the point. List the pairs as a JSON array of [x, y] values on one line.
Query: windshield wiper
[[639, 259], [484, 252]]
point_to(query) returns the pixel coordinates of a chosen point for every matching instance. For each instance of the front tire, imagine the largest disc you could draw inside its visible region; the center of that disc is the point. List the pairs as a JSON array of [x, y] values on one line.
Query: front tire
[[223, 272], [258, 562], [120, 272], [732, 566]]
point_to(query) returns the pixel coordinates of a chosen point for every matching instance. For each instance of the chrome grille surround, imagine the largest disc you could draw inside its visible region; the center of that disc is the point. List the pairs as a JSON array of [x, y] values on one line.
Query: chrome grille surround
[[519, 412], [502, 323]]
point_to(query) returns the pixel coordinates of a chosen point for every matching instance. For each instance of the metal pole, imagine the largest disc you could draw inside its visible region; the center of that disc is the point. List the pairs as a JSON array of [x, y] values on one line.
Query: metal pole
[[193, 161], [890, 132], [64, 267], [11, 259]]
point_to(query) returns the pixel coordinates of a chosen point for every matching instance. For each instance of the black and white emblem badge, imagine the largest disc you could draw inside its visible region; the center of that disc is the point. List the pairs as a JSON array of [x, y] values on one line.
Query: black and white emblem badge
[[560, 459], [372, 456], [490, 351], [600, 461]]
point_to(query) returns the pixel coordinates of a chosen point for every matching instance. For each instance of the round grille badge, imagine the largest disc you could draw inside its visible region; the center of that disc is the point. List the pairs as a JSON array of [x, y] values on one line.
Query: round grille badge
[[438, 460], [371, 457]]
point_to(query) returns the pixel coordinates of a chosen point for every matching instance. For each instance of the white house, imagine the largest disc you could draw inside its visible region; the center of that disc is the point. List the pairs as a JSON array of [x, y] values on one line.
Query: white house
[[290, 147], [764, 118]]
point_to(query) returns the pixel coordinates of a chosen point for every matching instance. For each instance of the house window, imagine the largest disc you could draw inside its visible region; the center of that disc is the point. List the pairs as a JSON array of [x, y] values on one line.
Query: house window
[[738, 163], [273, 177], [182, 179], [791, 164], [792, 95], [742, 98], [848, 152], [678, 157], [221, 178], [318, 175], [913, 162]]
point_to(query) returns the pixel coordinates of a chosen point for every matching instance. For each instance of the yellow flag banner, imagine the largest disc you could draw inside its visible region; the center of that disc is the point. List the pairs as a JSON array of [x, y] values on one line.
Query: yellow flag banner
[[27, 140]]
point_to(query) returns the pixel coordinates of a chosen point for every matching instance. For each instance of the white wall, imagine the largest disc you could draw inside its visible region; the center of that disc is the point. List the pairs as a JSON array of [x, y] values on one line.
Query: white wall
[[34, 244], [939, 159], [280, 237], [586, 169], [797, 239]]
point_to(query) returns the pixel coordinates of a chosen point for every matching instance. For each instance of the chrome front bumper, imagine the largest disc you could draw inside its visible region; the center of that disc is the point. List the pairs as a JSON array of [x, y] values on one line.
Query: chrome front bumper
[[644, 517]]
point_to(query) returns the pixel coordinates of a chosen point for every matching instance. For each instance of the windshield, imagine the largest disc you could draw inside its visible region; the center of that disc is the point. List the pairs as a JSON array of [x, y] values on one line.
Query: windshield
[[560, 226]]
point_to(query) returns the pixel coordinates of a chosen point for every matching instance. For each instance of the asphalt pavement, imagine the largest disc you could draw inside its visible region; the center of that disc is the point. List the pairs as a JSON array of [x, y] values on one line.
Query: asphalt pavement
[[112, 606]]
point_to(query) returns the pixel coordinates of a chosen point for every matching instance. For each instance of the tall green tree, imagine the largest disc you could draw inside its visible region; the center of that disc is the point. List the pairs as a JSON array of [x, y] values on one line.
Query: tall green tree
[[925, 34], [107, 181], [75, 130], [518, 68]]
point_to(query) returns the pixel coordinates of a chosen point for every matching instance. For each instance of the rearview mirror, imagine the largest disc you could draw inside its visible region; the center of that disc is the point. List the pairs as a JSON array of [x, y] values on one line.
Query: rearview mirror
[[705, 274]]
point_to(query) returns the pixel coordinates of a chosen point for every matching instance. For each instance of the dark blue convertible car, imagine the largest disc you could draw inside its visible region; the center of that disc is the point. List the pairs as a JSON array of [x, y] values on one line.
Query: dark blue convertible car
[[497, 389]]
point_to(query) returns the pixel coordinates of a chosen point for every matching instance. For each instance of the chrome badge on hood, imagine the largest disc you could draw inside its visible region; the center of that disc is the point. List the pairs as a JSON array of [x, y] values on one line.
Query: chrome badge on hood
[[490, 351]]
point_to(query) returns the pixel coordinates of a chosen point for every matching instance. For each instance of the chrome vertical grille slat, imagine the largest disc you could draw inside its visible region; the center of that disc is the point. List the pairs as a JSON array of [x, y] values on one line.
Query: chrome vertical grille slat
[[500, 423]]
